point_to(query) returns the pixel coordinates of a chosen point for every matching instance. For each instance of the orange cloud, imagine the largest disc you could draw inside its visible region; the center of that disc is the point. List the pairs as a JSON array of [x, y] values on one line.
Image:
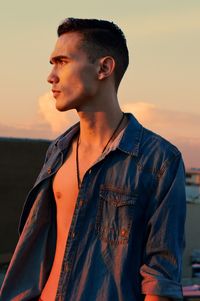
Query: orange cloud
[[58, 121], [166, 122], [181, 128], [30, 130]]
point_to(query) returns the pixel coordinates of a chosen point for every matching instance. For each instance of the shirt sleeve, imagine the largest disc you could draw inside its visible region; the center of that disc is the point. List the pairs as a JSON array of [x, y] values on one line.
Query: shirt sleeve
[[26, 208], [161, 268]]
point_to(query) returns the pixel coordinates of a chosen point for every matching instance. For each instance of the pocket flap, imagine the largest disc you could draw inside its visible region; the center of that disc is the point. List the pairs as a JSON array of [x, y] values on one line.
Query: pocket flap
[[118, 198]]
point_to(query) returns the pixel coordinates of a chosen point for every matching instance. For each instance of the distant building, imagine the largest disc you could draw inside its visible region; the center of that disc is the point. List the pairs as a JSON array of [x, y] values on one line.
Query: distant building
[[193, 185], [193, 176]]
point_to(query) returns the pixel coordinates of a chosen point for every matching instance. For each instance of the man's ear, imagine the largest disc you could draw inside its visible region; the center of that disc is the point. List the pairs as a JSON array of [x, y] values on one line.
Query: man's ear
[[106, 67]]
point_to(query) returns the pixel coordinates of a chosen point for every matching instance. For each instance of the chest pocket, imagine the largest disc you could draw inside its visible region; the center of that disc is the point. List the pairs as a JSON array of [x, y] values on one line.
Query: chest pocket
[[114, 216]]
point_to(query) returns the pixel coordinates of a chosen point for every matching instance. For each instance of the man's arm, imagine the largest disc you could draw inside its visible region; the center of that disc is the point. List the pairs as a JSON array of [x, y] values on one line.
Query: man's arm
[[161, 269]]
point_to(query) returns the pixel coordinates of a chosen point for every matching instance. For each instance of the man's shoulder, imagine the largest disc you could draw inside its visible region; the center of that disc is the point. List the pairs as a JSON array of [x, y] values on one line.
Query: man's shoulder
[[156, 142], [156, 152], [144, 142]]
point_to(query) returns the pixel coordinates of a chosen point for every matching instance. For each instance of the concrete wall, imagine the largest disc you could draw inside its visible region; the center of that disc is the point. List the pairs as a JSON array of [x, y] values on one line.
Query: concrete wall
[[20, 162]]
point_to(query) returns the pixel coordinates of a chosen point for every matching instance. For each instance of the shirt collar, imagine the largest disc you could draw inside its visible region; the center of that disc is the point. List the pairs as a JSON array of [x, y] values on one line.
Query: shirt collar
[[128, 143]]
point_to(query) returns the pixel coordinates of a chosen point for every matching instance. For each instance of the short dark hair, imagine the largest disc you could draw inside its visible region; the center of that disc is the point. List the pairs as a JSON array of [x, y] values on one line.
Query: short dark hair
[[100, 38]]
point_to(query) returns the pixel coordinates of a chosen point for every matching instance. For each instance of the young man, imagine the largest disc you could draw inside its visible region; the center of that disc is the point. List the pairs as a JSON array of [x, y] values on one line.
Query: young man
[[105, 218]]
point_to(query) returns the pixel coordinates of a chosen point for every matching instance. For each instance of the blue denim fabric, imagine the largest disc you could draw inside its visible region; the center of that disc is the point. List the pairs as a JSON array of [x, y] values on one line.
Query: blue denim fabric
[[127, 233]]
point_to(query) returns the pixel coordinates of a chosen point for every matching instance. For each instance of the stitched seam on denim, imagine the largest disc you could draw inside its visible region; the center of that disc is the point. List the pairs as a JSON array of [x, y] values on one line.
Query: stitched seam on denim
[[119, 190], [166, 163], [99, 222]]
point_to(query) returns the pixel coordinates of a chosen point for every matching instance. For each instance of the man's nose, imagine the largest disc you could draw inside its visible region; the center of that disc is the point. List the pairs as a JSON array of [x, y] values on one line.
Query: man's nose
[[52, 78]]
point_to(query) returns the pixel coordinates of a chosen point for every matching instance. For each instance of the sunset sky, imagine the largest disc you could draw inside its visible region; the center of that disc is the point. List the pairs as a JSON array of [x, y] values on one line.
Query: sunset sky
[[161, 86]]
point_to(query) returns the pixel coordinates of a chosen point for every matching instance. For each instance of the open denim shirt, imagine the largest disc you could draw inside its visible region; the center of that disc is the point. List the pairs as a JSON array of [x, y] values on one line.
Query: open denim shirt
[[127, 232]]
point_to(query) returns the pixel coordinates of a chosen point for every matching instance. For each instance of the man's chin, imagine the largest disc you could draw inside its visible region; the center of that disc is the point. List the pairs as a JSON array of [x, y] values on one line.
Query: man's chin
[[62, 108]]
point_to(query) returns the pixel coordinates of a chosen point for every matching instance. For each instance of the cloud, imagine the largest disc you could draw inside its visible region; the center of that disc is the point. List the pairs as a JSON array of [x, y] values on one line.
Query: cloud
[[181, 128], [30, 130], [48, 124], [167, 122], [58, 121]]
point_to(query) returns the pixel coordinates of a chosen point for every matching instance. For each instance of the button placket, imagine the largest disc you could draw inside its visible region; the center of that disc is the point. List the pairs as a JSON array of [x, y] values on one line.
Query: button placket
[[49, 170], [81, 203], [66, 267], [124, 233]]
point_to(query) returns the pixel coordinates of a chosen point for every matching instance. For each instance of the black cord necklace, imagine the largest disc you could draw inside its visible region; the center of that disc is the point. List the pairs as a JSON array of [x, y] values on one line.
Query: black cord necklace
[[77, 145]]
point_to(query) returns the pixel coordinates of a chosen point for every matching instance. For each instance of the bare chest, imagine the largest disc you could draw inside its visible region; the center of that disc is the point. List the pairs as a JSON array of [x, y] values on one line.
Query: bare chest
[[65, 190], [65, 185]]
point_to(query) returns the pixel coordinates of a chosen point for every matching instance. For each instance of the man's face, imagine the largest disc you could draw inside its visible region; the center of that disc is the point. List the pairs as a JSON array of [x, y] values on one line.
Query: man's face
[[73, 77]]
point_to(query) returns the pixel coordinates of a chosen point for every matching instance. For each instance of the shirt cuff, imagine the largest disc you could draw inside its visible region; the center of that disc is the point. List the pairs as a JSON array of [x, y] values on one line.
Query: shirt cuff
[[154, 283]]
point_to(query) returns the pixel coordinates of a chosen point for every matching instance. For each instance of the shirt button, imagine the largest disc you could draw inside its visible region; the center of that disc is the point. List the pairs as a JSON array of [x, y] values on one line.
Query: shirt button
[[81, 203], [66, 267], [49, 170], [124, 232], [90, 171], [73, 234]]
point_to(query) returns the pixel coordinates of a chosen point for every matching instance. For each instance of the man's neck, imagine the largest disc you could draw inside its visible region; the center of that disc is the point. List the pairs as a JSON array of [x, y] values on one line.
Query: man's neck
[[96, 128]]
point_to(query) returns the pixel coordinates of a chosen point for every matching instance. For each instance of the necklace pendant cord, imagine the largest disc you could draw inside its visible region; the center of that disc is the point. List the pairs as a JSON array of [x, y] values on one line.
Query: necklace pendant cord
[[77, 145]]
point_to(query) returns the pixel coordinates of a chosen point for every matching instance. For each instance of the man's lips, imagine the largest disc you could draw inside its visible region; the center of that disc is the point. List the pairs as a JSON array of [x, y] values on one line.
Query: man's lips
[[55, 92]]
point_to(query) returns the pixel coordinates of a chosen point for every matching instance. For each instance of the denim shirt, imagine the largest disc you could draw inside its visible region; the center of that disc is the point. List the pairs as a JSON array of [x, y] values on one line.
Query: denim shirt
[[127, 232]]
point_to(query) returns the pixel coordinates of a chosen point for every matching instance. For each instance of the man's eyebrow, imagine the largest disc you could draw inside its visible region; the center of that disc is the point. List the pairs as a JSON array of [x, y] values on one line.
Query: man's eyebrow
[[57, 59]]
